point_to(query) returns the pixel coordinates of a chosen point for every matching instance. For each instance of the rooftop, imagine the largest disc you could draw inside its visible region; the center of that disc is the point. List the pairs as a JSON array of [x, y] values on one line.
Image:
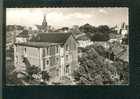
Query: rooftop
[[24, 33], [52, 37], [37, 44], [82, 36]]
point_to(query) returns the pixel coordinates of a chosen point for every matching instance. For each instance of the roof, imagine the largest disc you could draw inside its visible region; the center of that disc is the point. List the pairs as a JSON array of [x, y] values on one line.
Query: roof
[[37, 44], [38, 26], [82, 36], [24, 33], [52, 37]]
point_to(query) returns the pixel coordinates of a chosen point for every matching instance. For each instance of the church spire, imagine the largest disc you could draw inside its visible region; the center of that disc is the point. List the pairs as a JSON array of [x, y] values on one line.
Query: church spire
[[44, 24], [44, 21]]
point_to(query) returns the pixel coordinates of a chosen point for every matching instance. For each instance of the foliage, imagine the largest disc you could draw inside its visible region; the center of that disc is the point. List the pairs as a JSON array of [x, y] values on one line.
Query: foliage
[[94, 69], [101, 50], [122, 69], [100, 33], [45, 75], [125, 40], [33, 70], [12, 79]]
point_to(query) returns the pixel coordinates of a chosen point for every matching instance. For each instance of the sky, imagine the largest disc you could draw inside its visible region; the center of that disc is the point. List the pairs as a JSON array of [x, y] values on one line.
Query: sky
[[67, 17]]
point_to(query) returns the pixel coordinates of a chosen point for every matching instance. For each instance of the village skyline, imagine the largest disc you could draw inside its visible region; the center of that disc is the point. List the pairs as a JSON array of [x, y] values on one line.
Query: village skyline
[[66, 17], [92, 53]]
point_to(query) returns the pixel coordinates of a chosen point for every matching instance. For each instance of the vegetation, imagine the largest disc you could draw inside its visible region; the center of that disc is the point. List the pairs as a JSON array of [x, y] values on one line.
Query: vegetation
[[32, 75], [100, 33], [94, 69]]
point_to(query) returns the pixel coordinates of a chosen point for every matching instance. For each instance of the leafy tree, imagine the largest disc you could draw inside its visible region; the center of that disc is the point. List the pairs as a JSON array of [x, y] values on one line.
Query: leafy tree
[[45, 76], [104, 29], [100, 33], [33, 70], [94, 69], [100, 37]]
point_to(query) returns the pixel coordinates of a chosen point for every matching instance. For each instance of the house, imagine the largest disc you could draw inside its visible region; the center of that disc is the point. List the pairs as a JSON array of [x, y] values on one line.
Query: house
[[53, 52], [83, 40], [105, 44], [22, 36], [124, 29]]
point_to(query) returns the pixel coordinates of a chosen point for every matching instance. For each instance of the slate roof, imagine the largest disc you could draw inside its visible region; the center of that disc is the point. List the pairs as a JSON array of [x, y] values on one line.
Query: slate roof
[[52, 37], [24, 34]]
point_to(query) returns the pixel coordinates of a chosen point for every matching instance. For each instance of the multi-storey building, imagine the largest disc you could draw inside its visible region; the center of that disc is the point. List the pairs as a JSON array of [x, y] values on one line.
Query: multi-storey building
[[54, 52]]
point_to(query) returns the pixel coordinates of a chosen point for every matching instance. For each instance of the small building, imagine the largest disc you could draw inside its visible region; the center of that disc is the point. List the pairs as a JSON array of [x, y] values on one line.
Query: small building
[[105, 44], [56, 53], [22, 37], [124, 30], [83, 40]]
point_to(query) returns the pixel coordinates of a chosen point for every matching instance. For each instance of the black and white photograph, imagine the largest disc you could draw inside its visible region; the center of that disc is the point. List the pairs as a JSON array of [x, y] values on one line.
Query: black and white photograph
[[67, 46]]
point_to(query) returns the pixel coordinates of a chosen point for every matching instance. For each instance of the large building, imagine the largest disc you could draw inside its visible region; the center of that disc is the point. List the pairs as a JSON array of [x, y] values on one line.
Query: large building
[[54, 52]]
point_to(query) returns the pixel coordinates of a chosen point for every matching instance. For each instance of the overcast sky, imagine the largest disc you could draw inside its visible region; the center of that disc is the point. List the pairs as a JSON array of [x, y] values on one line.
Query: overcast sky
[[60, 17]]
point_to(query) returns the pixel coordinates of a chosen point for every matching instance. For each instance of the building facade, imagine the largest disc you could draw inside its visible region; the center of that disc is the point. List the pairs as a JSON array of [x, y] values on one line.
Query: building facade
[[53, 52]]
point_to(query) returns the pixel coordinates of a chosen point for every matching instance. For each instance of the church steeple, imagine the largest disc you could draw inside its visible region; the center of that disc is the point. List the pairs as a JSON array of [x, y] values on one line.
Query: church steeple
[[44, 24]]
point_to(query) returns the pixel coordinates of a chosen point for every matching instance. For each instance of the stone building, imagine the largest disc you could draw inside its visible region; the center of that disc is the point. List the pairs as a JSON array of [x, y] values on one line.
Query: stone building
[[53, 52]]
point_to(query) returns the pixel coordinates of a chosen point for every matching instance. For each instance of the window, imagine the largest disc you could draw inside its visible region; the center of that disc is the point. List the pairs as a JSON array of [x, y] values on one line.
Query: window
[[67, 57], [47, 51], [25, 50], [67, 69], [57, 60], [57, 49], [67, 47], [47, 62], [25, 54]]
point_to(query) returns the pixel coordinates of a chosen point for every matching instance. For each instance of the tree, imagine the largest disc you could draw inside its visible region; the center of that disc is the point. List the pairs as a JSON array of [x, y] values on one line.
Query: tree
[[88, 29], [33, 70], [100, 37], [104, 29], [93, 69], [100, 33], [45, 76]]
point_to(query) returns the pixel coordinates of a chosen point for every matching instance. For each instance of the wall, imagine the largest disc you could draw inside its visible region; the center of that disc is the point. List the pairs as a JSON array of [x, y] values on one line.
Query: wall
[[53, 57], [72, 53], [31, 53]]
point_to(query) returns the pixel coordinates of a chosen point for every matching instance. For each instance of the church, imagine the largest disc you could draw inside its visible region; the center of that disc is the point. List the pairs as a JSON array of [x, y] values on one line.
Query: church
[[56, 53], [44, 27]]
